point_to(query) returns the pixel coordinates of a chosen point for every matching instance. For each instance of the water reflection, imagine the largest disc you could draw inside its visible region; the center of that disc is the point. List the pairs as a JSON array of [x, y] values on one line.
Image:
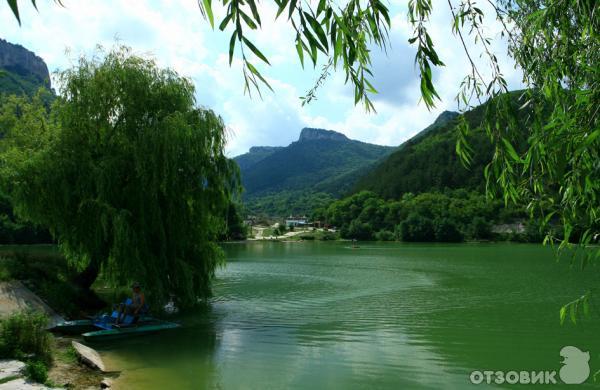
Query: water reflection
[[313, 315]]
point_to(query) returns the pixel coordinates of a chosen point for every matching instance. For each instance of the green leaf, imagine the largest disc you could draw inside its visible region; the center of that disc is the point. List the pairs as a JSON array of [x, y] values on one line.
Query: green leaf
[[254, 10], [257, 74], [247, 19], [511, 150], [563, 314], [321, 7], [282, 6], [15, 9], [316, 26], [232, 46], [300, 50], [255, 50], [292, 8], [225, 22], [209, 12]]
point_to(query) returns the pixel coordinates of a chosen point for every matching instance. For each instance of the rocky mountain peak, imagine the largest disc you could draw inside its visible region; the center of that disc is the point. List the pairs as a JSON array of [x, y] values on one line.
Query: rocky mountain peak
[[310, 134], [17, 59]]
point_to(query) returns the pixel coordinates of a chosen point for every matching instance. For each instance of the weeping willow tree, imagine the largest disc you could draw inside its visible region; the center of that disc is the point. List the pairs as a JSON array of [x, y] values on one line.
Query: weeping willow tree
[[126, 171]]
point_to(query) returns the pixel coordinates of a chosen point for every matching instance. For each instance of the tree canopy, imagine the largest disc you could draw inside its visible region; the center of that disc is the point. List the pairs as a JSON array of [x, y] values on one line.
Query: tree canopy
[[126, 171]]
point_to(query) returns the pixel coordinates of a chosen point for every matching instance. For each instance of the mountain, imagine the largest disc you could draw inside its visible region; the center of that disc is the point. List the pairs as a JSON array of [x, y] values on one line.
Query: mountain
[[21, 71], [428, 162], [320, 162], [254, 155]]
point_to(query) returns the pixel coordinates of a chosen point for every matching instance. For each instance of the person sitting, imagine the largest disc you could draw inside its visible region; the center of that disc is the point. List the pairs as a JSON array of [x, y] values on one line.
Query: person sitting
[[137, 305]]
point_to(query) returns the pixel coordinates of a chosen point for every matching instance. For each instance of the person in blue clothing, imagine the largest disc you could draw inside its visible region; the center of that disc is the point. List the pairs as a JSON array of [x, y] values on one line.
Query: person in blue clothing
[[138, 303]]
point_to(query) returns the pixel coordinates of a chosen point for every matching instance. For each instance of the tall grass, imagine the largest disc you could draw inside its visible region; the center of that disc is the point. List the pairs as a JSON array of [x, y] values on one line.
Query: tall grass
[[23, 336]]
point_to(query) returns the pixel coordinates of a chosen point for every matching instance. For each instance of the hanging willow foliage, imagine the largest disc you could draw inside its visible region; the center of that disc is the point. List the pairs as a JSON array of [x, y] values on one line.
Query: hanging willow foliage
[[127, 172]]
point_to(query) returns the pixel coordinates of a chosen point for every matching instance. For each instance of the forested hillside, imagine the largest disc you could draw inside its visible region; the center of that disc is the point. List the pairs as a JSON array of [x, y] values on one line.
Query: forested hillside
[[423, 192], [254, 155], [321, 165], [428, 162]]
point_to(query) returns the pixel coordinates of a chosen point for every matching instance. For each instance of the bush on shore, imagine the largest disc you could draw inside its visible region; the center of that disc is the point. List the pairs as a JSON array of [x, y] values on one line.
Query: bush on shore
[[23, 336]]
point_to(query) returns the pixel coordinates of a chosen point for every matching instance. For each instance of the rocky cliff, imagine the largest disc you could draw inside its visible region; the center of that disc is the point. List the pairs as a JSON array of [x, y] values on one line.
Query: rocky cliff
[[17, 59], [310, 134]]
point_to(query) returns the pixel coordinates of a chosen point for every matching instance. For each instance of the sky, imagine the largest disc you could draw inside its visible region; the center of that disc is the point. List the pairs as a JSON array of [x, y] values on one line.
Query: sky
[[174, 33]]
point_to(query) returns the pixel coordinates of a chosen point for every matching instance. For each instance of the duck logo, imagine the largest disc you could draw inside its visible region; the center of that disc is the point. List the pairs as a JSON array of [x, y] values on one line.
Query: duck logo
[[576, 368]]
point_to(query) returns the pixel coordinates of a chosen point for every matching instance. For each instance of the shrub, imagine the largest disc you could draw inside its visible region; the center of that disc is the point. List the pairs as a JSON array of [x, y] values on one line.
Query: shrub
[[328, 236], [5, 269], [36, 371], [416, 228], [24, 335], [385, 235], [533, 232], [481, 229], [360, 230], [447, 231]]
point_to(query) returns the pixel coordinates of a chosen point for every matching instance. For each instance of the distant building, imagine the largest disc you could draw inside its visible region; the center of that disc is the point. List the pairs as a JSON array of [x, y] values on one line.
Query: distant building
[[296, 221], [250, 220]]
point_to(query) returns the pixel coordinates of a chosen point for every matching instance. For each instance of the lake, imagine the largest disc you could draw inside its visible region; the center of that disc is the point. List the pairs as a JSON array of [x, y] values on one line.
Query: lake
[[314, 315]]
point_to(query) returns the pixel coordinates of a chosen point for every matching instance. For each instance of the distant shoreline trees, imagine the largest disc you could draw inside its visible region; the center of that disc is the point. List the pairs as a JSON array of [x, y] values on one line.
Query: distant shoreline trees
[[450, 216]]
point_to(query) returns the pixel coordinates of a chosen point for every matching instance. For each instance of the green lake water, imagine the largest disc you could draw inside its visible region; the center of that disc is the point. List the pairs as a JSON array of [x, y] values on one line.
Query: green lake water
[[388, 316]]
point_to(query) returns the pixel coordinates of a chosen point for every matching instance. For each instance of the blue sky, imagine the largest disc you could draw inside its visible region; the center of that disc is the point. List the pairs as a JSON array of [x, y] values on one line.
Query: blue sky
[[175, 34]]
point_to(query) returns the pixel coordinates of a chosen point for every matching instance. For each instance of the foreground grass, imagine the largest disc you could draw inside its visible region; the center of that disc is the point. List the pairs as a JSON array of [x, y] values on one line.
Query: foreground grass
[[23, 336]]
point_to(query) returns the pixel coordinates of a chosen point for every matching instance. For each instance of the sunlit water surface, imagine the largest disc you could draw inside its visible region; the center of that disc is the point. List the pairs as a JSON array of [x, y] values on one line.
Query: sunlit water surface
[[387, 316]]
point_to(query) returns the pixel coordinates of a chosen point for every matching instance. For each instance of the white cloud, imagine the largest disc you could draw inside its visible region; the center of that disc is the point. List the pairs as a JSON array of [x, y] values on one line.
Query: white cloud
[[174, 33]]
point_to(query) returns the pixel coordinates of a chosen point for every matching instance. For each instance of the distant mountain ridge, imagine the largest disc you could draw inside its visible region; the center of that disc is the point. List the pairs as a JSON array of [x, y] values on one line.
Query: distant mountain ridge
[[309, 165], [254, 155]]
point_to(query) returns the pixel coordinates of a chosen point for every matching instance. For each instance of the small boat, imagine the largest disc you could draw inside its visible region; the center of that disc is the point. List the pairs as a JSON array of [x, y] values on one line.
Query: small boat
[[73, 327], [104, 327], [113, 331]]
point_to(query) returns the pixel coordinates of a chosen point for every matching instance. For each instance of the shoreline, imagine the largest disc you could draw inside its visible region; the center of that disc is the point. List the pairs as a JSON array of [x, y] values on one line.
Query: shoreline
[[66, 369]]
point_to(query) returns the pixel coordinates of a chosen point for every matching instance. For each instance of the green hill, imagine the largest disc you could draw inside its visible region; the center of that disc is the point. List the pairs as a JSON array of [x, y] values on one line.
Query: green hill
[[255, 155], [428, 162], [322, 164]]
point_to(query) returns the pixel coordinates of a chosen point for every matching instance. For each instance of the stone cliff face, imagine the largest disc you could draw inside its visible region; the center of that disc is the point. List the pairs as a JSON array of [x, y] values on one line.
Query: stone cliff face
[[309, 134], [17, 59]]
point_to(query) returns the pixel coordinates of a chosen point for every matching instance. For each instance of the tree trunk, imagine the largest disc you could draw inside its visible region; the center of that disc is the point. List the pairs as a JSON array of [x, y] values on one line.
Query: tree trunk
[[88, 276]]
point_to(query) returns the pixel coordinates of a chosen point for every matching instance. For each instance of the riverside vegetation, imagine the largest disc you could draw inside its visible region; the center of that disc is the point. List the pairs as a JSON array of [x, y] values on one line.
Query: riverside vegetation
[[23, 336]]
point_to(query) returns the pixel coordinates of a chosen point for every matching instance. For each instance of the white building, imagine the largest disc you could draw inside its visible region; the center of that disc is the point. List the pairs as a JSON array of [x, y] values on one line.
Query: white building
[[296, 221]]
